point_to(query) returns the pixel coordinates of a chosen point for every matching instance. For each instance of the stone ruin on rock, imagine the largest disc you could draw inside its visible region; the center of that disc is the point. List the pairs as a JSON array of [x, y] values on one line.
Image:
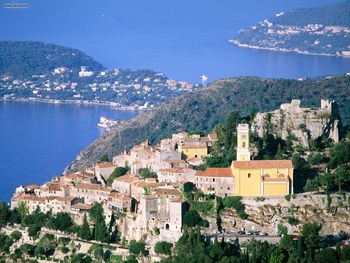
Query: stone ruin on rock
[[303, 123]]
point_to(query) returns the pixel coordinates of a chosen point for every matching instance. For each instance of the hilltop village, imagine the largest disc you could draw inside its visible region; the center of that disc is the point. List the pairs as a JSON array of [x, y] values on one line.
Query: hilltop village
[[153, 192]]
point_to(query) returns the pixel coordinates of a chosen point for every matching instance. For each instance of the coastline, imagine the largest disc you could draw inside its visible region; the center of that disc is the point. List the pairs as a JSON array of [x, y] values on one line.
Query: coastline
[[114, 105], [237, 43]]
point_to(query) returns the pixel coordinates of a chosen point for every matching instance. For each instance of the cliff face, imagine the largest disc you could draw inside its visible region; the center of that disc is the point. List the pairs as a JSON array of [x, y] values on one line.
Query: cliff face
[[332, 212], [302, 123], [204, 108]]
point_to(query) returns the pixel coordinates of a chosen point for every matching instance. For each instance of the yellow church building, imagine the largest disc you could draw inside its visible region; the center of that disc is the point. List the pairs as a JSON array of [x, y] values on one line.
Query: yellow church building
[[259, 177]]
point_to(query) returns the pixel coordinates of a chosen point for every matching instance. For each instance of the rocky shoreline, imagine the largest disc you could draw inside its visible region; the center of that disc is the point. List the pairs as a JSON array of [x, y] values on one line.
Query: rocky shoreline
[[115, 105], [237, 43]]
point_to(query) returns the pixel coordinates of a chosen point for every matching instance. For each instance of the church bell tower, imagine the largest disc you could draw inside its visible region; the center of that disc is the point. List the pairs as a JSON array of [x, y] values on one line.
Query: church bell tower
[[243, 153]]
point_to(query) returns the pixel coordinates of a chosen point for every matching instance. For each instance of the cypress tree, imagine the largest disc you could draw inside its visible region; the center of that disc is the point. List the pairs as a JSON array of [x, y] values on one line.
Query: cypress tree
[[84, 231]]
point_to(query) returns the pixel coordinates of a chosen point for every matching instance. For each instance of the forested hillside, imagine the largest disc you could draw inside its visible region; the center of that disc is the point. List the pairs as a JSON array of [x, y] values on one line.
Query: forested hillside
[[25, 58], [203, 109], [332, 15]]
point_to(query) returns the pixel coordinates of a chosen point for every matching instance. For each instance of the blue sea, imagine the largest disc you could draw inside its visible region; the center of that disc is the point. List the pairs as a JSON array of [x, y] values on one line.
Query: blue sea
[[38, 140]]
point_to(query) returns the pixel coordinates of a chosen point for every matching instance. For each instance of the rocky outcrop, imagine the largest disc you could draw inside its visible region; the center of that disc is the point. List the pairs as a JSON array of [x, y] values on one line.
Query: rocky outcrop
[[302, 124], [332, 212]]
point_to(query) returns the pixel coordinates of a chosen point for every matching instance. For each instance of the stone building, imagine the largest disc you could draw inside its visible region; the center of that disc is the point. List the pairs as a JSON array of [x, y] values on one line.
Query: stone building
[[176, 175], [90, 193], [147, 156], [218, 181], [165, 213]]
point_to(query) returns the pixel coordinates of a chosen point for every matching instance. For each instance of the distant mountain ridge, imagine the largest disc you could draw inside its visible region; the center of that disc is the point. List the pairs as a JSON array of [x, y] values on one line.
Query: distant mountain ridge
[[204, 108], [25, 58], [317, 31]]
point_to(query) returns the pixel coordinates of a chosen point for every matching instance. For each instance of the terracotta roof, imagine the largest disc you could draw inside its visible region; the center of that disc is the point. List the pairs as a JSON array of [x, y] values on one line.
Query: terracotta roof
[[257, 164], [105, 165], [150, 197], [196, 140], [119, 197], [52, 187], [215, 172], [173, 170], [195, 161], [29, 198], [128, 178]]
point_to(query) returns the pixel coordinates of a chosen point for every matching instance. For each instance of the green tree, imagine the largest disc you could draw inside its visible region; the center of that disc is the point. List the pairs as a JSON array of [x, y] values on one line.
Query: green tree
[[62, 221], [119, 171], [15, 216], [147, 173], [16, 235], [33, 230], [163, 247], [27, 249], [342, 176], [95, 211], [104, 158], [311, 236], [326, 255], [23, 209], [137, 248], [282, 230], [101, 233], [232, 121], [192, 218], [345, 252], [287, 243], [106, 255], [4, 214], [340, 154], [5, 242], [84, 230]]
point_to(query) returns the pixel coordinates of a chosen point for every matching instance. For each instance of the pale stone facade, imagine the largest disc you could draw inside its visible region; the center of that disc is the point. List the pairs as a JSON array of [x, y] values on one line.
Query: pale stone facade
[[218, 181], [176, 175]]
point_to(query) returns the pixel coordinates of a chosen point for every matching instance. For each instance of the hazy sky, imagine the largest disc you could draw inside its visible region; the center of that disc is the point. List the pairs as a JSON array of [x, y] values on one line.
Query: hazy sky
[[170, 36]]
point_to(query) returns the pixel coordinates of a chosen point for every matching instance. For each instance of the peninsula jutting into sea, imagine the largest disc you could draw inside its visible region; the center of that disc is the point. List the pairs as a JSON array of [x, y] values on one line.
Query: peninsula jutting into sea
[[62, 75], [311, 31], [101, 163]]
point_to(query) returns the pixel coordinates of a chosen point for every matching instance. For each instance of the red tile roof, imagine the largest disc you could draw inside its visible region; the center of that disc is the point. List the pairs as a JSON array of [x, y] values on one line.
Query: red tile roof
[[105, 165], [257, 164], [215, 172]]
